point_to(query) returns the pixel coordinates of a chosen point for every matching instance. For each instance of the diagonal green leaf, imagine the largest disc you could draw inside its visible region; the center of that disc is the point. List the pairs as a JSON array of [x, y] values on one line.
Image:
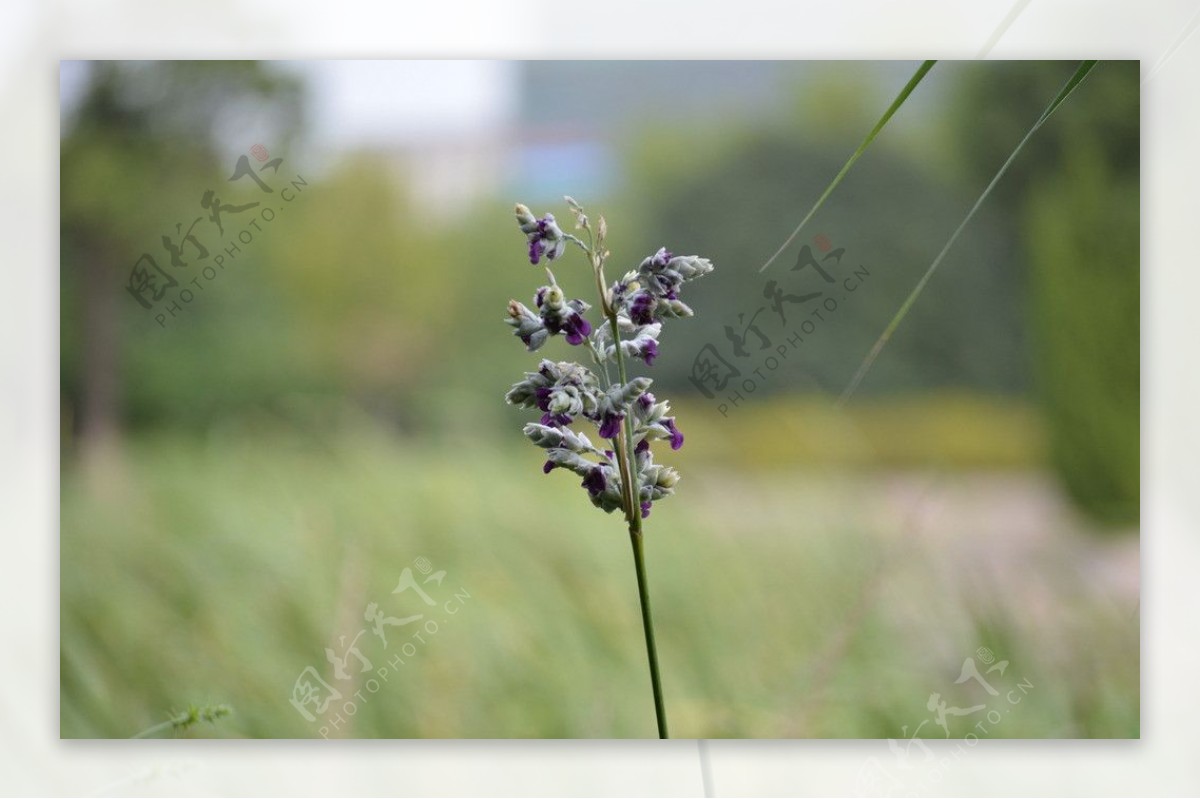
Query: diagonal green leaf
[[883, 120], [1082, 72]]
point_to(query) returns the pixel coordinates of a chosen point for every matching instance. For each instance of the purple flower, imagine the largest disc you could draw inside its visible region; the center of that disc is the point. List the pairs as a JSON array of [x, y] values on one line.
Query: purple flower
[[667, 284], [536, 247], [646, 400], [676, 436], [545, 239], [536, 242], [547, 466], [562, 317], [642, 446], [649, 351], [645, 509], [641, 310], [576, 328], [568, 406], [662, 257], [611, 425], [595, 482]]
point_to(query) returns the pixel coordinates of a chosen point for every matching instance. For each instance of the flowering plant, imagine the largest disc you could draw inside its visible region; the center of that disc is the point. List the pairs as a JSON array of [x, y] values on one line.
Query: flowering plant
[[621, 475]]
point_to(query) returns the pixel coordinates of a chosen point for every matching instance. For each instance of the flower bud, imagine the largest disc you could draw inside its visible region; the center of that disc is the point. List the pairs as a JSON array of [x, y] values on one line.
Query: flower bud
[[690, 267], [563, 402], [624, 395], [542, 435], [529, 326], [554, 298], [672, 309], [525, 218], [667, 477], [548, 437], [570, 460]]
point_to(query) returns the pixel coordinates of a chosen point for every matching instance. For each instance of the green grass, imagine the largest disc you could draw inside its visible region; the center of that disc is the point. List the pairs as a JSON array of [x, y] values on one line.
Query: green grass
[[789, 602]]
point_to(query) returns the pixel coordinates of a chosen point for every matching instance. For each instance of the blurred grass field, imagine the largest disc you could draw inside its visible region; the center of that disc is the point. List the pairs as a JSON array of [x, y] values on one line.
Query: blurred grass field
[[808, 598]]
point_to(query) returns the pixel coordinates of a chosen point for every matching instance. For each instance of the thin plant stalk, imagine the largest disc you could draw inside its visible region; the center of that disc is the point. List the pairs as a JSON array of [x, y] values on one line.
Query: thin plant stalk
[[639, 564], [634, 516], [917, 77], [625, 454], [1080, 73], [626, 477], [161, 727]]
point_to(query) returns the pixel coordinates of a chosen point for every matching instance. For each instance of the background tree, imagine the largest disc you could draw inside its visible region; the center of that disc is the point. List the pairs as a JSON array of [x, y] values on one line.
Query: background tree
[[1070, 209], [141, 146]]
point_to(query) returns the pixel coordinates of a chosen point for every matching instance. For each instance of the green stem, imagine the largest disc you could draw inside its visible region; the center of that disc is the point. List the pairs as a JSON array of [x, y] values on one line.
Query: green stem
[[633, 514], [639, 563], [634, 517], [150, 732], [627, 461]]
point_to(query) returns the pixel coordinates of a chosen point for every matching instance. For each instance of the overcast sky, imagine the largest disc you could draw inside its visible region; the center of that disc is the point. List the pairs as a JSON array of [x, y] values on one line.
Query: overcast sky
[[378, 102]]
